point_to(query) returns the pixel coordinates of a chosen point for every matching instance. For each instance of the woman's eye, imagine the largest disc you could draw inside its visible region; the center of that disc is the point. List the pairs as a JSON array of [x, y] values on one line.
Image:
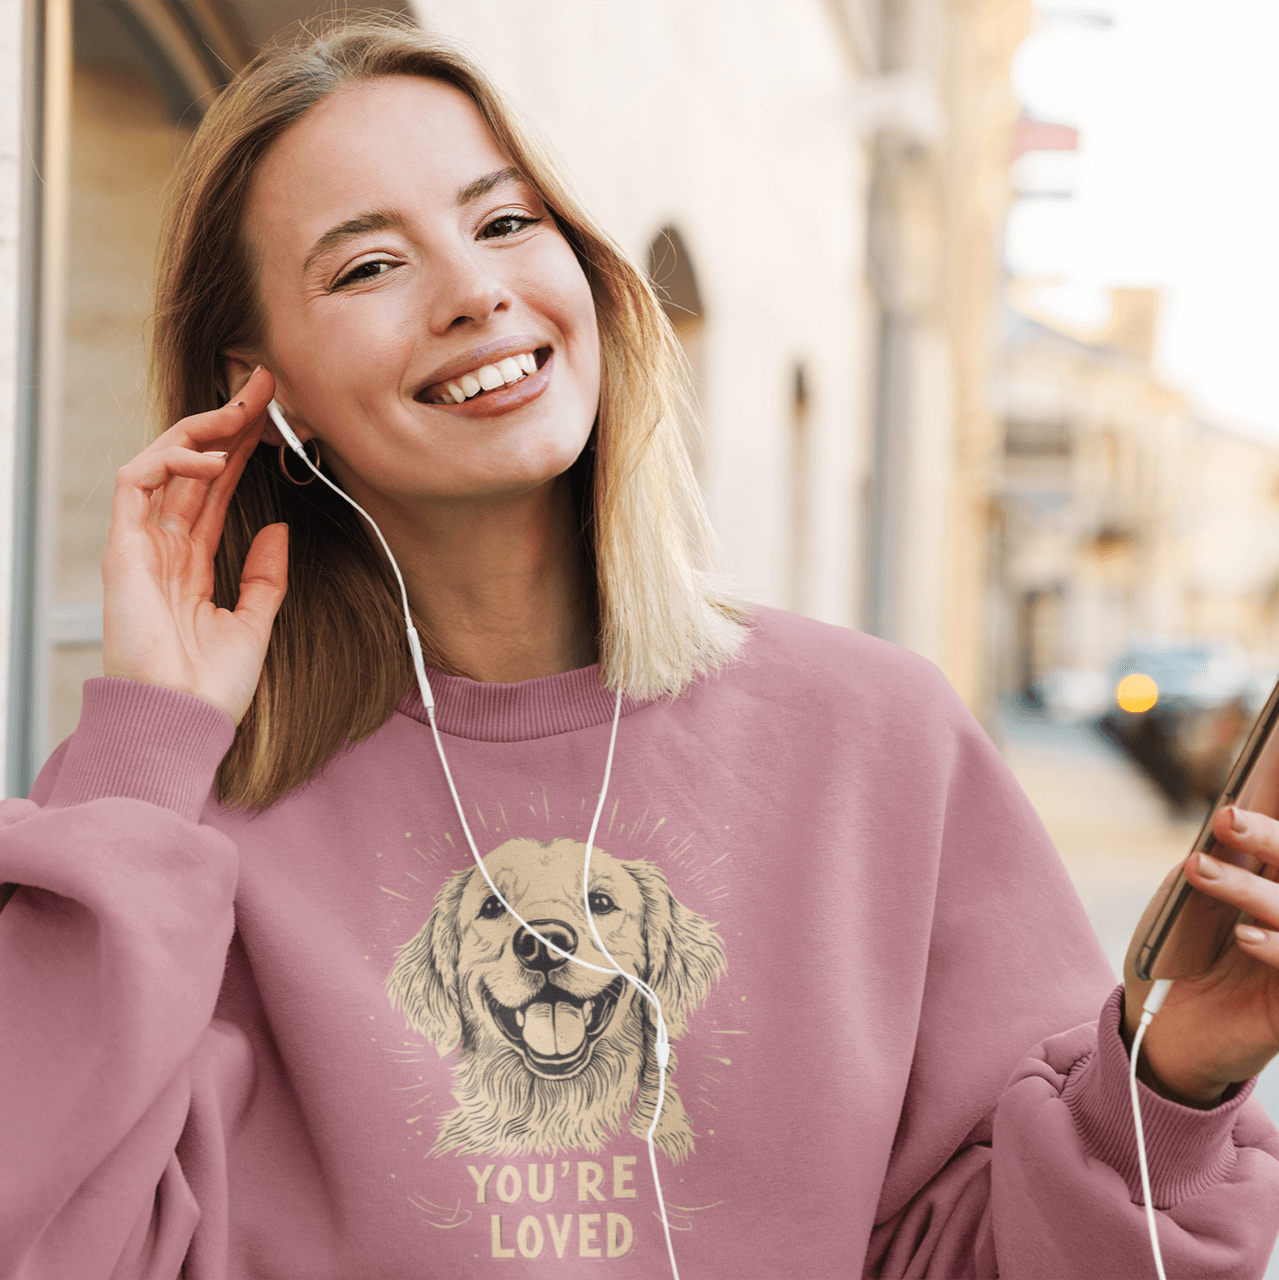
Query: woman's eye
[[365, 271], [507, 224], [602, 904]]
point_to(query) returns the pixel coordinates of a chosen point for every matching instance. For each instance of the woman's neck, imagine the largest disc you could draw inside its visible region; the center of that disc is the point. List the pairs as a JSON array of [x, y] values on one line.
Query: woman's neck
[[502, 585]]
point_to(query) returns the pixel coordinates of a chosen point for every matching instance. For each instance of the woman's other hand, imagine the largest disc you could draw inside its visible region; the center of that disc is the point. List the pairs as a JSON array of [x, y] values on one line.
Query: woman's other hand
[[1222, 1027], [160, 624]]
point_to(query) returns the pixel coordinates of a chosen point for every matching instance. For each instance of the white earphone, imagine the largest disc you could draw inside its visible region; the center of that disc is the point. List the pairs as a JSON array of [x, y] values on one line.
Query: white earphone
[[661, 1047], [1154, 1001]]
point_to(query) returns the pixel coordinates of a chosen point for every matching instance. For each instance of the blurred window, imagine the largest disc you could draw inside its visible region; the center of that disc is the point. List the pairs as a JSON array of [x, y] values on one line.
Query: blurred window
[[1037, 439], [799, 485], [670, 268]]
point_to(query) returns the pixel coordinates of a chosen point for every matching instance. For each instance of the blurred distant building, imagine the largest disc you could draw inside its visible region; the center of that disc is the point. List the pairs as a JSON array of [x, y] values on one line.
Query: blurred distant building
[[939, 194], [817, 187], [1120, 513]]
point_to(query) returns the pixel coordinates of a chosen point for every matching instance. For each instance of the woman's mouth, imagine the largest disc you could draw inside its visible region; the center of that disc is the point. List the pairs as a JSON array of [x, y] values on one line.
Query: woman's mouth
[[486, 379]]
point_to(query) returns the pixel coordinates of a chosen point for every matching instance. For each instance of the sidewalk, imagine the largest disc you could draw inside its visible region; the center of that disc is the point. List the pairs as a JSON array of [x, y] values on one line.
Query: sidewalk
[[1109, 823]]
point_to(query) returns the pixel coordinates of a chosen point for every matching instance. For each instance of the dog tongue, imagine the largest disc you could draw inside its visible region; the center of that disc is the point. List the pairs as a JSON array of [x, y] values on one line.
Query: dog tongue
[[553, 1029]]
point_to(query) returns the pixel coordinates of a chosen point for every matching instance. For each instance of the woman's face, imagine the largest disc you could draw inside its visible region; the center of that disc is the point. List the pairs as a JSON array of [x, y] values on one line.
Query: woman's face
[[403, 263]]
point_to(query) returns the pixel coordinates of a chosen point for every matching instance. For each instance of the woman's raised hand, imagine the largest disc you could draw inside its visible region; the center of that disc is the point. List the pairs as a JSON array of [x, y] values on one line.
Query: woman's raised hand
[[160, 624], [1223, 1026]]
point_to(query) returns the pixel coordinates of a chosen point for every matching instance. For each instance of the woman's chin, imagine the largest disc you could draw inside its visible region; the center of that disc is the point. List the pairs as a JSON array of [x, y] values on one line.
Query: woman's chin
[[529, 464], [495, 478]]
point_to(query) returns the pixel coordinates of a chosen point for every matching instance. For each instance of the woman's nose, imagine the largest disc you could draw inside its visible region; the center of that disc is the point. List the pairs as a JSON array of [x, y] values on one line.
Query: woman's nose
[[464, 291]]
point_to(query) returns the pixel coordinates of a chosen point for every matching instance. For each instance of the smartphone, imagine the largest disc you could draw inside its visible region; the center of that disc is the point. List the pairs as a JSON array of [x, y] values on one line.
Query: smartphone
[[1190, 929]]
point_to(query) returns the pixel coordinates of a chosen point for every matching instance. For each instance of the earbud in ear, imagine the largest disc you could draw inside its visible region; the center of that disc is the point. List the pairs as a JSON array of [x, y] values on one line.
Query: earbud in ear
[[290, 438]]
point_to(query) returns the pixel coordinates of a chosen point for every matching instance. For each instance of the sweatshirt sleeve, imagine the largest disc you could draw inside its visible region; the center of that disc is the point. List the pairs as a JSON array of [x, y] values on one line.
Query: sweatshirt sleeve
[[1028, 1169], [112, 949]]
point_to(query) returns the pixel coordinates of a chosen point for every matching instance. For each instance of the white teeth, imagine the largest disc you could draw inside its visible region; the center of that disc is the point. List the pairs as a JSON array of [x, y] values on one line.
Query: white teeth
[[519, 1016], [508, 370], [587, 1008]]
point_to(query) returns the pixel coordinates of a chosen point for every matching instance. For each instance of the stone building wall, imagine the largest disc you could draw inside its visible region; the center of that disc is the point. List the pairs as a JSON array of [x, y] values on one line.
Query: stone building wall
[[11, 150], [123, 147], [939, 193]]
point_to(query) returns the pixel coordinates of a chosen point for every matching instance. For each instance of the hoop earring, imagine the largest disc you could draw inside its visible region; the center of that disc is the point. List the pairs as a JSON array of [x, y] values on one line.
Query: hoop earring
[[284, 465]]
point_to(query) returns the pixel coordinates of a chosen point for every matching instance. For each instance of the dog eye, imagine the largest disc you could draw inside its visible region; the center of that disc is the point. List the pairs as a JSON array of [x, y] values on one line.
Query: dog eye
[[491, 908], [602, 904]]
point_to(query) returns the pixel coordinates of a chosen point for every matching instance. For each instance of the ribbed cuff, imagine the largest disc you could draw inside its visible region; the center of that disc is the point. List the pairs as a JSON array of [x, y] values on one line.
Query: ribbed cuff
[[142, 742], [1188, 1150]]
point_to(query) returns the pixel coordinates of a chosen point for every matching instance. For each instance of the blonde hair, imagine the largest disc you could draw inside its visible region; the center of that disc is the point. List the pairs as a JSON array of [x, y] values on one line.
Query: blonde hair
[[337, 662]]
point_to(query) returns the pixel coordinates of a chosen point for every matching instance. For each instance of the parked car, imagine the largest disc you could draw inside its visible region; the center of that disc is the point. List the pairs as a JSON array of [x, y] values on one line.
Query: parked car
[[1187, 741], [1070, 695]]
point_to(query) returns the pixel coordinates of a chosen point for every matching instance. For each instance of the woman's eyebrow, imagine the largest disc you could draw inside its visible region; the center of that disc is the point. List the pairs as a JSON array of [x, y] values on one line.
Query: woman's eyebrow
[[482, 186], [379, 220]]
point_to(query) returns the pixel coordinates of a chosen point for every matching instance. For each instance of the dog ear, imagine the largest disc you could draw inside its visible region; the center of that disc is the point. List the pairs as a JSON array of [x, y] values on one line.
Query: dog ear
[[423, 981], [684, 951]]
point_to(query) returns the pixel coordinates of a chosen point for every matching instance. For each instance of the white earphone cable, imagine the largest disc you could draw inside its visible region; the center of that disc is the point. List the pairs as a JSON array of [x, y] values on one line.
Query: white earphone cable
[[1153, 1002], [415, 645], [662, 1044], [661, 1041]]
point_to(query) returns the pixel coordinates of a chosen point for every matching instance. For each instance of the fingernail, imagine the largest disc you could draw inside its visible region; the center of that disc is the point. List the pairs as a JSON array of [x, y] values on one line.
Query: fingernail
[[256, 370], [236, 404], [1237, 823], [1246, 933], [1208, 868], [214, 453]]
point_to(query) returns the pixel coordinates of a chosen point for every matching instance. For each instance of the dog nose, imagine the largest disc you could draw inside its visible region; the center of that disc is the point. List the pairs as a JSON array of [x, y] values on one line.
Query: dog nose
[[532, 953]]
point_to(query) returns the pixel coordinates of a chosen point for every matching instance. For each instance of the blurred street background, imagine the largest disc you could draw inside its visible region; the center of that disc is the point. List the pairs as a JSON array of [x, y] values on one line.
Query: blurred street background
[[978, 296]]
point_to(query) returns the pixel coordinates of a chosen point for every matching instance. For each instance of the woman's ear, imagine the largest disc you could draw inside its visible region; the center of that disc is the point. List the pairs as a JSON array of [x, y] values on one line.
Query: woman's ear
[[237, 370]]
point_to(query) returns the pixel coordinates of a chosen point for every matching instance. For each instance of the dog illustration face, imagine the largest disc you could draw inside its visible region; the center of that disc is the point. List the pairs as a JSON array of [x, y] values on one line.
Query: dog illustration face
[[550, 1053], [551, 1010]]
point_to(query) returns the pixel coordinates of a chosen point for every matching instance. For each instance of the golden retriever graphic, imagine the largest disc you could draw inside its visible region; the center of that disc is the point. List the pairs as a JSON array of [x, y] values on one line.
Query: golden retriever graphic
[[550, 1055]]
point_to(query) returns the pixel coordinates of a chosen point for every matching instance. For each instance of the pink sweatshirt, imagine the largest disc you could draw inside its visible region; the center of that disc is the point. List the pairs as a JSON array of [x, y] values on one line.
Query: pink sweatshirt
[[309, 1044]]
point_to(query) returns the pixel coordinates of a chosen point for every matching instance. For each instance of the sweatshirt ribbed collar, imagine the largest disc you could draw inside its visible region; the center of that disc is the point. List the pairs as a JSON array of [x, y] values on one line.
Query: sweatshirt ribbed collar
[[539, 708]]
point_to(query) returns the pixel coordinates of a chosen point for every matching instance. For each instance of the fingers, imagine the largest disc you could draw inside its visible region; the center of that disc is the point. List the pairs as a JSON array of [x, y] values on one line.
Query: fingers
[[222, 428], [1243, 889], [206, 529], [1258, 942], [1248, 832], [137, 480], [1255, 834], [231, 430], [265, 578]]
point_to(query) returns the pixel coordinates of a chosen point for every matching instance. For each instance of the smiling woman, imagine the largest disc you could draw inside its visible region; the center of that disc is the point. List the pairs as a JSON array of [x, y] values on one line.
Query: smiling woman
[[356, 273], [312, 965]]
